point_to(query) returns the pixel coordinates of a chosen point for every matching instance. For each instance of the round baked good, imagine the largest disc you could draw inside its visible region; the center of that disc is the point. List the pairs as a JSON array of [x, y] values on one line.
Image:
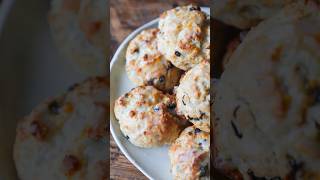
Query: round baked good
[[79, 29], [193, 96], [65, 137], [184, 36], [145, 65], [268, 99], [190, 155], [147, 117], [245, 14]]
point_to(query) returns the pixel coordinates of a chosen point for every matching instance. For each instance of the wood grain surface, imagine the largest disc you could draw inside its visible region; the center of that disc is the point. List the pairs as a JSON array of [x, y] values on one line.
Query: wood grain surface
[[125, 17]]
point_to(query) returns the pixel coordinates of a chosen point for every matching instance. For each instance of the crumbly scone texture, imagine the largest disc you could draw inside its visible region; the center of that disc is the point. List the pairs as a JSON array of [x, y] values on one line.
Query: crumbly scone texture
[[147, 117], [267, 104], [79, 29], [193, 96], [190, 155], [65, 137], [145, 65], [245, 14], [184, 36]]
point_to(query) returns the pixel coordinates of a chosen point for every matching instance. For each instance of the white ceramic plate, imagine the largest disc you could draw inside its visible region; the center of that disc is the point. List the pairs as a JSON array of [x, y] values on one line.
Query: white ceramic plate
[[154, 163]]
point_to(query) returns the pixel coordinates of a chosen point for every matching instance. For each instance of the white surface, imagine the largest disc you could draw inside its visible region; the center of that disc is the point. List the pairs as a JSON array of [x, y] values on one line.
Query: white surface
[[154, 163]]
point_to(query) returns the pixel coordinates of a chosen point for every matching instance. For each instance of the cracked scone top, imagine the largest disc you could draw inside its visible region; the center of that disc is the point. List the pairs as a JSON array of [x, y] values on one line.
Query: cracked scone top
[[147, 117], [65, 137], [145, 65], [268, 100], [184, 36], [190, 155], [79, 29], [245, 14], [193, 96]]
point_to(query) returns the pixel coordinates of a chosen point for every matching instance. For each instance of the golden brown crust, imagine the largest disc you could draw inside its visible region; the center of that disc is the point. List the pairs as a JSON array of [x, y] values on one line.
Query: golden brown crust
[[145, 65], [189, 155], [193, 96], [146, 117], [184, 37]]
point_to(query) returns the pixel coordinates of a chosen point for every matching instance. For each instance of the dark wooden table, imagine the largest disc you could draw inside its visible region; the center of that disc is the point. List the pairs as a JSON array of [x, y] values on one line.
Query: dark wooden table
[[126, 16]]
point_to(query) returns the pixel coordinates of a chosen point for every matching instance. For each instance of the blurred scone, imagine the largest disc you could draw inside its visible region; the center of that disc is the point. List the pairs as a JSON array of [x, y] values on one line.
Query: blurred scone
[[268, 100], [193, 96], [65, 137], [145, 65], [79, 29], [245, 14], [190, 155], [147, 117], [184, 36]]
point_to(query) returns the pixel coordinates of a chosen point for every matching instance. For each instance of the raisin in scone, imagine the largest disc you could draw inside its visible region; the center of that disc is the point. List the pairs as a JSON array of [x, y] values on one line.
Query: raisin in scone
[[267, 104], [79, 29], [193, 96], [145, 65], [184, 36], [147, 117], [66, 137], [245, 14], [190, 155]]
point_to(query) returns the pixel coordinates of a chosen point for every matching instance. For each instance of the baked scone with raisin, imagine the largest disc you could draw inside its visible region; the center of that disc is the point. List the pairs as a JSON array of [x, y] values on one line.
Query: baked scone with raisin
[[145, 65], [193, 96], [66, 137], [245, 14], [79, 29], [147, 117], [184, 36], [268, 99], [190, 155]]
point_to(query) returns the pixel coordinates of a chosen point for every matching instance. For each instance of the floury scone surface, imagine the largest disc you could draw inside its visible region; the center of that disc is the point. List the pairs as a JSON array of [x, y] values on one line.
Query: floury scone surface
[[145, 65], [65, 137], [267, 109], [184, 36]]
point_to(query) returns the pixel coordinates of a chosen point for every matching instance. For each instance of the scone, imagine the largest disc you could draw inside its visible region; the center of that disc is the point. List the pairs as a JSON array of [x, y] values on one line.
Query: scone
[[190, 155], [66, 137], [193, 96], [147, 117], [268, 99], [245, 14], [145, 65], [79, 29], [184, 36]]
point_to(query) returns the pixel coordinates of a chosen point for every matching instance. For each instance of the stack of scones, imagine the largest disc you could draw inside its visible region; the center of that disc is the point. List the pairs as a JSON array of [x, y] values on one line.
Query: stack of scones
[[170, 66]]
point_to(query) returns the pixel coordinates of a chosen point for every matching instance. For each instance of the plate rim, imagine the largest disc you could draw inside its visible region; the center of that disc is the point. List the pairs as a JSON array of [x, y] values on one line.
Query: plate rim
[[113, 60]]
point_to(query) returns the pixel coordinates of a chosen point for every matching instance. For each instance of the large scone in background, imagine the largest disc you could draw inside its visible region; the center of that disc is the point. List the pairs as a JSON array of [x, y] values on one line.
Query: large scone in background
[[31, 70]]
